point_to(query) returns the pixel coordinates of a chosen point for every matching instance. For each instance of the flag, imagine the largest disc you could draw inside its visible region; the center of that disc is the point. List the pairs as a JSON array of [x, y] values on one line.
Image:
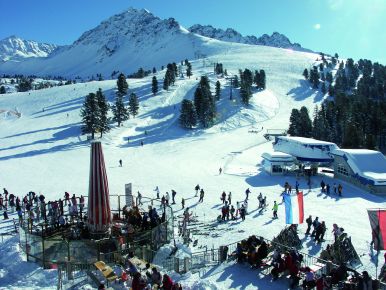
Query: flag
[[378, 227], [294, 210]]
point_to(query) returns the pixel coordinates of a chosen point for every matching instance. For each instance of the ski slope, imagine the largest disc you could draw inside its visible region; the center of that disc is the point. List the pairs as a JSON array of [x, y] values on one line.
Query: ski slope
[[44, 151]]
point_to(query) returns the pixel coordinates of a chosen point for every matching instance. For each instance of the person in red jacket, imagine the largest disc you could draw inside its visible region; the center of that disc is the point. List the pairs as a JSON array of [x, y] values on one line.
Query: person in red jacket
[[167, 282], [138, 282]]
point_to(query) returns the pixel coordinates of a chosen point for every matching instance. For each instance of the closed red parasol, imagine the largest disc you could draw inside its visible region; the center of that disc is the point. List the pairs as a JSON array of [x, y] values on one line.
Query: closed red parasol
[[99, 213]]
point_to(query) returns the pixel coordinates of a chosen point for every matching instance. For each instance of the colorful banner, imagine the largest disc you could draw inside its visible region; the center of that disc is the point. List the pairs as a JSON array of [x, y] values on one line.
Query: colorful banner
[[378, 227], [294, 208]]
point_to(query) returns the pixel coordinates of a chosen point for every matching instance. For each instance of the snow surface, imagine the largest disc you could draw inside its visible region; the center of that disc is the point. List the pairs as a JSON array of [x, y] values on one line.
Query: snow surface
[[45, 152]]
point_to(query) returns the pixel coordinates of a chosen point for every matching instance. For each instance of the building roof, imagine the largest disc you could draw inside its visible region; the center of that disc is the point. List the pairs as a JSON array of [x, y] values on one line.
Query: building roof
[[303, 140], [305, 149], [368, 164], [278, 156]]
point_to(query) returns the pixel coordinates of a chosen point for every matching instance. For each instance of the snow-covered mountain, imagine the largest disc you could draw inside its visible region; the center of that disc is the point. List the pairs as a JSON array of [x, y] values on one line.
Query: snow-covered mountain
[[14, 48], [124, 42], [231, 35], [133, 39]]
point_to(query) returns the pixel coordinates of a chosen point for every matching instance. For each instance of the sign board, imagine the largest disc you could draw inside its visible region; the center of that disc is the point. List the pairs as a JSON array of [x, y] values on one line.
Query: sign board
[[129, 195]]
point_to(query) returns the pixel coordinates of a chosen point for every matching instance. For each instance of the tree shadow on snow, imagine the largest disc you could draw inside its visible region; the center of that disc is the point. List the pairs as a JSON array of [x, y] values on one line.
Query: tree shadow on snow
[[69, 132], [304, 91]]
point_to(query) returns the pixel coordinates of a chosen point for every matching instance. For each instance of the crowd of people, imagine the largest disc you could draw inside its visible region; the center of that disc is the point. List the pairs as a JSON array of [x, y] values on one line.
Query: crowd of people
[[34, 208]]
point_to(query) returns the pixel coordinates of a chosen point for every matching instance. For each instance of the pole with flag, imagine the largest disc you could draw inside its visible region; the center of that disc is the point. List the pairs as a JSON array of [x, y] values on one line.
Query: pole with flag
[[378, 231], [294, 208]]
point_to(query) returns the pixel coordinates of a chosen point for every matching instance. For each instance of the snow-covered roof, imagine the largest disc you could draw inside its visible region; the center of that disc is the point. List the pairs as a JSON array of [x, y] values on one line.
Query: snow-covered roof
[[278, 156], [308, 141], [369, 166], [305, 149]]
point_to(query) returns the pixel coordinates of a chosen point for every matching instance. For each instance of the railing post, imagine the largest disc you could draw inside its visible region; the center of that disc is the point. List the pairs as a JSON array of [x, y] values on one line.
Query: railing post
[[119, 206], [43, 253]]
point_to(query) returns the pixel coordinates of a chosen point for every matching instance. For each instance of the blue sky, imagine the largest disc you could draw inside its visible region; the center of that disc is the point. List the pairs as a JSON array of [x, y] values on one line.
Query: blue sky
[[352, 28]]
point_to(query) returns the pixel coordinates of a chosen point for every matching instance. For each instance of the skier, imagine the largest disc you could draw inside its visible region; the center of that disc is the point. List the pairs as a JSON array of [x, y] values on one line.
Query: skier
[[245, 204], [173, 196], [223, 196], [223, 212], [336, 231], [247, 192], [81, 205], [232, 211], [309, 223], [167, 197], [242, 213], [297, 186], [157, 191], [322, 185], [201, 195], [260, 199], [230, 197], [120, 162], [320, 231], [238, 209], [139, 198], [220, 170], [142, 143], [5, 194], [66, 198], [183, 203], [197, 188], [275, 208], [315, 225], [334, 188], [340, 188], [5, 214], [264, 202], [1, 201], [328, 189]]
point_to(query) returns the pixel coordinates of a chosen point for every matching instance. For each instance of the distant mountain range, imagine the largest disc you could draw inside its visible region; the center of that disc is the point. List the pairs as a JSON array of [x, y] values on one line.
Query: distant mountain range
[[124, 42], [14, 48], [231, 35]]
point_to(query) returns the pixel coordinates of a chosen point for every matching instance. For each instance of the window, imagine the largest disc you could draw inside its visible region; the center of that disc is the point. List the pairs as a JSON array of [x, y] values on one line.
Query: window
[[276, 168], [341, 169]]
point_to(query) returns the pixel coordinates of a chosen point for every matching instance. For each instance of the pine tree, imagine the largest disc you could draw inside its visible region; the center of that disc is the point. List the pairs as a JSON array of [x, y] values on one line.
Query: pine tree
[[89, 114], [133, 104], [122, 85], [314, 77], [236, 81], [154, 70], [188, 115], [256, 79], [103, 110], [245, 93], [218, 90], [175, 70], [2, 90], [188, 69], [154, 85], [305, 123], [262, 79], [204, 103], [166, 82], [293, 129], [170, 73], [120, 112]]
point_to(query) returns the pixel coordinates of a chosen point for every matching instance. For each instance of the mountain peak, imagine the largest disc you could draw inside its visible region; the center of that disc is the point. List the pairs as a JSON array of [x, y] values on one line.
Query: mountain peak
[[14, 48], [230, 35]]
